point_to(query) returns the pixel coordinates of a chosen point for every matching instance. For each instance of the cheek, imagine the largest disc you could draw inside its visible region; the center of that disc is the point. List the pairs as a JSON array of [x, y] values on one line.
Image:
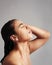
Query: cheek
[[21, 33], [24, 34]]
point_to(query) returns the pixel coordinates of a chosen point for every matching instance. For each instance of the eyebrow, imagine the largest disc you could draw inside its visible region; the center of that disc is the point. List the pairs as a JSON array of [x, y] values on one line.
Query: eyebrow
[[20, 24]]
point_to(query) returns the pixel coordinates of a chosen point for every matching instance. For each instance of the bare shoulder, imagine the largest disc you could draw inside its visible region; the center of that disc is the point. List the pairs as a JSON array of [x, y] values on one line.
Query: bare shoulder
[[7, 61], [10, 59]]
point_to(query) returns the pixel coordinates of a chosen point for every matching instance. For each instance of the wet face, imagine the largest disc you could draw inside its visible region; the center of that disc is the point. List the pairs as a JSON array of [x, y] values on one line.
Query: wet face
[[22, 31]]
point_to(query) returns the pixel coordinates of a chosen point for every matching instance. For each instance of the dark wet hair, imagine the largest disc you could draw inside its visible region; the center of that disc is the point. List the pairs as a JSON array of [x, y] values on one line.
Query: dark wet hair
[[6, 31]]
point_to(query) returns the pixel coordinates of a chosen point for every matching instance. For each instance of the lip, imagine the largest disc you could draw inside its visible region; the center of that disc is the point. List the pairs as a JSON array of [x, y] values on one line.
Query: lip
[[30, 32]]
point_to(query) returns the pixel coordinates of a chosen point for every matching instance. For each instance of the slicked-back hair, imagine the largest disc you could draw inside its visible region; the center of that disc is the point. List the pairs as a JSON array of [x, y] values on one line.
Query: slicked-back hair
[[6, 31]]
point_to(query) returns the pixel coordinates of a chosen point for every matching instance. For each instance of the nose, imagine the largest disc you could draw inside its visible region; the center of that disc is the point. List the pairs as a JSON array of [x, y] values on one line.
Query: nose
[[29, 30]]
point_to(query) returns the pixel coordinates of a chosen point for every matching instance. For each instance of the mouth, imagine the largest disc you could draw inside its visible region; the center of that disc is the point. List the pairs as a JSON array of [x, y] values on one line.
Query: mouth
[[30, 32]]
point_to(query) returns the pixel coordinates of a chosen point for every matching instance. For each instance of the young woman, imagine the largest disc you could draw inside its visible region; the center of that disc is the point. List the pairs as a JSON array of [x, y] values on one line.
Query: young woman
[[18, 44]]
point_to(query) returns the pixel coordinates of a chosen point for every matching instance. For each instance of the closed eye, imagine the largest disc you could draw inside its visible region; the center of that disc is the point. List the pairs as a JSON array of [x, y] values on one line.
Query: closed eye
[[22, 25]]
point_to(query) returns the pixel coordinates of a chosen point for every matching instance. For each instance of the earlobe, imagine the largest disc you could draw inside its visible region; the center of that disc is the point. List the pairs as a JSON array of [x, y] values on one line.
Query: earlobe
[[16, 39]]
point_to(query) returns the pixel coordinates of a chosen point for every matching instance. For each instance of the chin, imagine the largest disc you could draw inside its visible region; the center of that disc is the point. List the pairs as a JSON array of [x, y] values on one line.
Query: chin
[[30, 38], [27, 37]]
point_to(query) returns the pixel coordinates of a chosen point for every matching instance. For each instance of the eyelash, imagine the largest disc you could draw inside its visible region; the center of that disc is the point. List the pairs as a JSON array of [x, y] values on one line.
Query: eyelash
[[23, 26]]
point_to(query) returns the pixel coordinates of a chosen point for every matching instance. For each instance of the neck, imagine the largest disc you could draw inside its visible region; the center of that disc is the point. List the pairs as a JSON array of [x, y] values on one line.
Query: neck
[[19, 45]]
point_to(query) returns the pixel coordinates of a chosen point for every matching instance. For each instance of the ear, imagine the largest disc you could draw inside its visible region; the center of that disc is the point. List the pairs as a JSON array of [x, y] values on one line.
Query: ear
[[14, 38]]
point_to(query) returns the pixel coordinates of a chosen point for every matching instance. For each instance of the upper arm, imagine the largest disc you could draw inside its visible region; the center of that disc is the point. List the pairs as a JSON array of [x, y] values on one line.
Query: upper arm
[[36, 43]]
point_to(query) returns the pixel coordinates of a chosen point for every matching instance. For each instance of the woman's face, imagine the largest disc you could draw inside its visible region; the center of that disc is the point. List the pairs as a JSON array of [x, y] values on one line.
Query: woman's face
[[22, 31]]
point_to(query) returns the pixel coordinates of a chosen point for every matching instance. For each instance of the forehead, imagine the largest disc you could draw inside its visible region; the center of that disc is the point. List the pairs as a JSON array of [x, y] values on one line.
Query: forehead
[[17, 23]]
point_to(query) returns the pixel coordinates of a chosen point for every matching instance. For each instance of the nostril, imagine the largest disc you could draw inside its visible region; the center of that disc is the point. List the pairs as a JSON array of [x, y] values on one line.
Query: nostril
[[29, 31], [26, 27]]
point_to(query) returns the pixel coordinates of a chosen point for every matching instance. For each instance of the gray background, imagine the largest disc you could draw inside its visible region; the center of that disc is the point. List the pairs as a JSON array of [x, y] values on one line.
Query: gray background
[[34, 12]]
